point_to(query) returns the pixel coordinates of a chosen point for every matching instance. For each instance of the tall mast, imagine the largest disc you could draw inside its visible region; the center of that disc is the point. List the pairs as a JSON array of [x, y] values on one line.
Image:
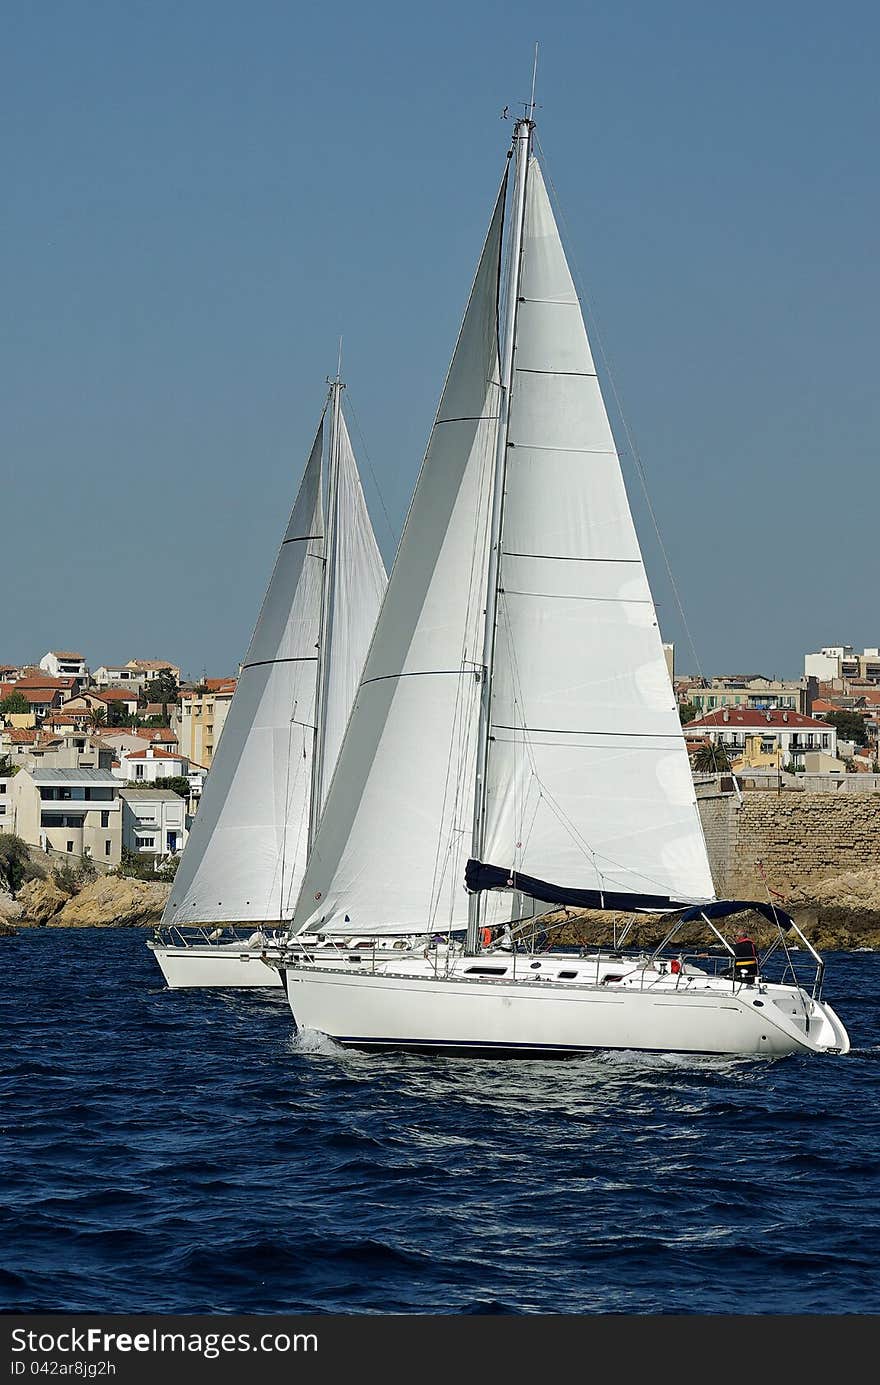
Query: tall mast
[[522, 140], [325, 633]]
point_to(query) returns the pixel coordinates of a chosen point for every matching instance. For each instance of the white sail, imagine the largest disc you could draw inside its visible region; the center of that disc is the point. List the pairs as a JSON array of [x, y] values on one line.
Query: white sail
[[391, 848], [589, 785], [356, 589], [246, 853]]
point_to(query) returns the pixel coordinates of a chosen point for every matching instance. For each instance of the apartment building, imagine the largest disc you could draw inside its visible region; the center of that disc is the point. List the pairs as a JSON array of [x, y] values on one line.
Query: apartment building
[[74, 811], [841, 661], [199, 719], [754, 691], [777, 733]]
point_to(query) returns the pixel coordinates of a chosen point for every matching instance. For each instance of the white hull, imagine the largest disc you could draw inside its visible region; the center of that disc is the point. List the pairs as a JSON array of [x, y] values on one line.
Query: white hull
[[224, 965], [235, 966], [400, 1005]]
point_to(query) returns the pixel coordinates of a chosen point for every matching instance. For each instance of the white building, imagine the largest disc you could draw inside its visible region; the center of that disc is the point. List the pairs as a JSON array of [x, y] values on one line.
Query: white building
[[153, 820], [841, 661], [63, 664], [142, 767], [118, 676]]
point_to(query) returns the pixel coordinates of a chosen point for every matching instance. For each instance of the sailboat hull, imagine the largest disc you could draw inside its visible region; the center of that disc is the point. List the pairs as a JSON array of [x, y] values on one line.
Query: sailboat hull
[[550, 1018], [233, 966], [218, 966]]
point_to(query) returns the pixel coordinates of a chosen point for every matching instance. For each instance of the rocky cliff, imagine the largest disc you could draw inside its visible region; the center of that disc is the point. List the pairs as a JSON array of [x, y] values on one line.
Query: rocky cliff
[[113, 902]]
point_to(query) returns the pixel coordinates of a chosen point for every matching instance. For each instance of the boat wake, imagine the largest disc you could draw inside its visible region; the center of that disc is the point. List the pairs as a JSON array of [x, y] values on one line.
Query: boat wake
[[313, 1041]]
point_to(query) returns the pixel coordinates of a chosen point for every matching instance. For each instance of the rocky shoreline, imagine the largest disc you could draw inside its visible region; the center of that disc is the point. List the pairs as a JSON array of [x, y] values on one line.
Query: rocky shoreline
[[842, 914], [108, 902]]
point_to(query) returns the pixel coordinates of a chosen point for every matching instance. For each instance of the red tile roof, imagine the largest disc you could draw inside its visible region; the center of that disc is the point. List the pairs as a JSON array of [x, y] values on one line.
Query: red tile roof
[[20, 735], [65, 654], [37, 696], [115, 695], [751, 717]]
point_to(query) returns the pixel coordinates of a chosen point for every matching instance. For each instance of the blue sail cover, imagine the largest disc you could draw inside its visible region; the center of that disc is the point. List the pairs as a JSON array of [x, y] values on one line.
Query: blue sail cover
[[484, 877], [723, 908]]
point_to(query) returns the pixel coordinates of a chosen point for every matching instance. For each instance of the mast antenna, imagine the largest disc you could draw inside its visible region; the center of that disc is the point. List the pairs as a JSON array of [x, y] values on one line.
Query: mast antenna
[[531, 114]]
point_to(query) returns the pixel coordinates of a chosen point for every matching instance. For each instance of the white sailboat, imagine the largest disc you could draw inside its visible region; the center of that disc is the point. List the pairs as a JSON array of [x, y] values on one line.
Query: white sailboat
[[515, 733], [245, 858]]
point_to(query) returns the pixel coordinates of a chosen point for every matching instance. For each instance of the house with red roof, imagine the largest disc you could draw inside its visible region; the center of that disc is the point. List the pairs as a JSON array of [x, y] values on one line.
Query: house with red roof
[[145, 766], [777, 735]]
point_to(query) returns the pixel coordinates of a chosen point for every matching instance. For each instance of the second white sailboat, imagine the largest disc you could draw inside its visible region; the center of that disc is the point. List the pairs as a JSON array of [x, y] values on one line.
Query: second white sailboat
[[246, 855]]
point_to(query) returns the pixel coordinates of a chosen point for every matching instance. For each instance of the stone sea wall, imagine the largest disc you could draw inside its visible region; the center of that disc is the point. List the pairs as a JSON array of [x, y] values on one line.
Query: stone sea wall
[[798, 840]]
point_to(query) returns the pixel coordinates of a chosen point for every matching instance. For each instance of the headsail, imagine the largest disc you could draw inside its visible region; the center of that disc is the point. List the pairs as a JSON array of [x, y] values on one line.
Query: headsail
[[245, 856], [357, 585], [391, 848], [589, 785]]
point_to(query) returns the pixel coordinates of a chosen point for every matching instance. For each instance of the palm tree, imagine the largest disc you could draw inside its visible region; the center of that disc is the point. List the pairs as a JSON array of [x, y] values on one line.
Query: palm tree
[[712, 759], [97, 717]]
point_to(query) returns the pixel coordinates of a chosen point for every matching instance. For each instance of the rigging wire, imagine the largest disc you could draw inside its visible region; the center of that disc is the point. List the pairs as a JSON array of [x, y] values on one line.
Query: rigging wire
[[363, 448]]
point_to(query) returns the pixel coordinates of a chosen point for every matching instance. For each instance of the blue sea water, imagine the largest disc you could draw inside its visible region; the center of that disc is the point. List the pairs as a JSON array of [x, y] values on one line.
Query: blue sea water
[[186, 1152]]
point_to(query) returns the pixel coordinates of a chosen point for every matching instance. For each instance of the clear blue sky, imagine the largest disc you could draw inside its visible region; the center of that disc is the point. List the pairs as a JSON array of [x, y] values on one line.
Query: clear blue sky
[[200, 196]]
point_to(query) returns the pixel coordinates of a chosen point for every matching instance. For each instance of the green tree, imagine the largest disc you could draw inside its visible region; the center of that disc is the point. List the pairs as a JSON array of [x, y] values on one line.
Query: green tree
[[15, 862], [14, 704], [712, 759], [850, 726], [686, 712], [97, 717], [163, 688], [176, 783]]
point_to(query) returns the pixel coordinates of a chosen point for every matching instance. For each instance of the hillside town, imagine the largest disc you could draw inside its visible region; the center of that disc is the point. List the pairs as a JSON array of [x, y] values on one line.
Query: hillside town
[[767, 730], [108, 765]]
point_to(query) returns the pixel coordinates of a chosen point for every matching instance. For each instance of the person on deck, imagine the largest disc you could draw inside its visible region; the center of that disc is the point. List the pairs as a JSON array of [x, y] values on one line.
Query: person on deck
[[745, 960]]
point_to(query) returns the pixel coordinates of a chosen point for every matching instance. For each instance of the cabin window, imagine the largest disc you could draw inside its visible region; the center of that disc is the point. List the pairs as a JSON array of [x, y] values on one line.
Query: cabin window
[[487, 971], [612, 976], [567, 975]]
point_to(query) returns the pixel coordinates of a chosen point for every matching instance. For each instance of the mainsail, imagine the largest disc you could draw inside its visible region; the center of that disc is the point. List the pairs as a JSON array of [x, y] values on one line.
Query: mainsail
[[588, 795], [247, 850], [589, 785]]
